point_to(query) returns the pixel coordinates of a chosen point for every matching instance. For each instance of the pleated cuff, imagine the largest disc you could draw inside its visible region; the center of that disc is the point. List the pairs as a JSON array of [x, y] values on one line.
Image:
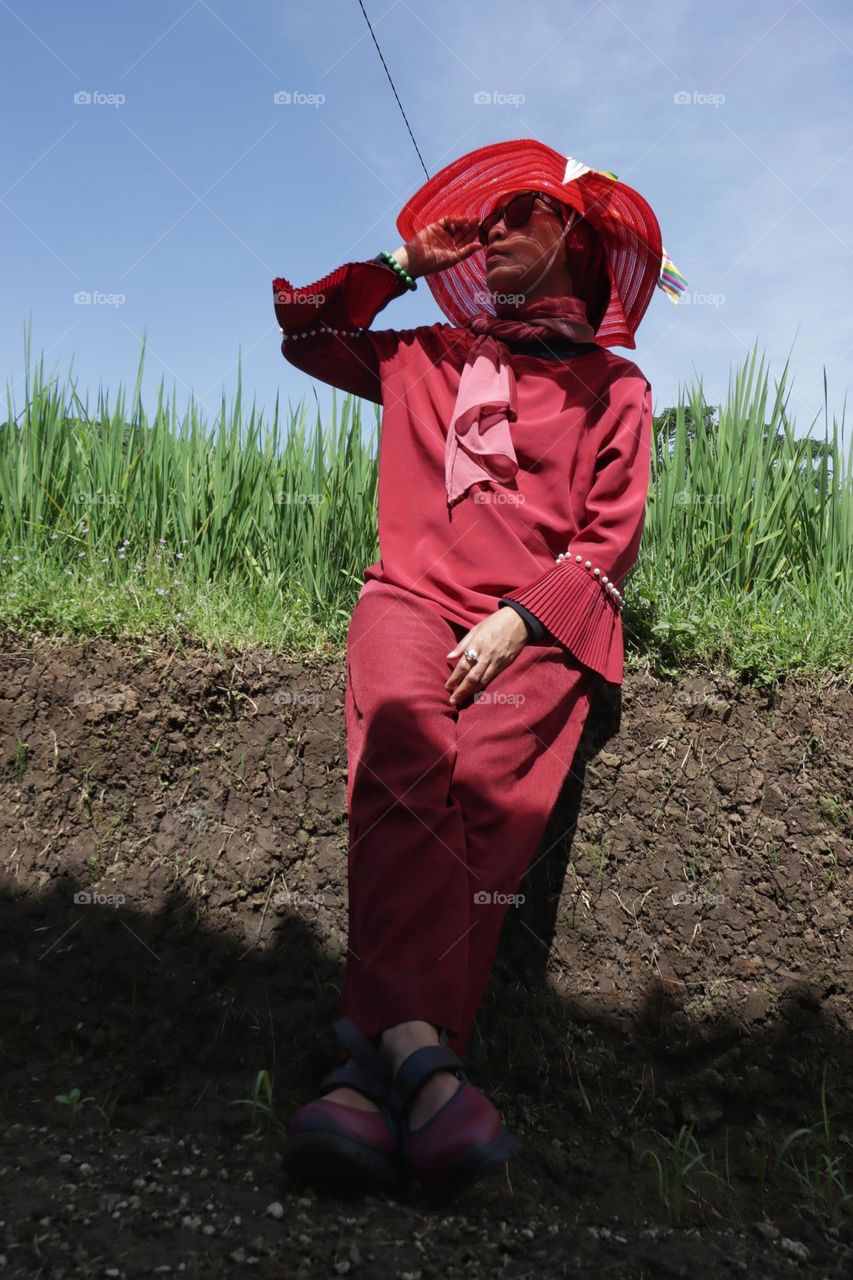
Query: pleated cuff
[[350, 296], [579, 613]]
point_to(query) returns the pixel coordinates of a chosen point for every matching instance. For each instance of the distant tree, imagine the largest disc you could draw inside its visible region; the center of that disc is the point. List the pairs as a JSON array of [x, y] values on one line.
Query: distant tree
[[815, 450], [665, 427]]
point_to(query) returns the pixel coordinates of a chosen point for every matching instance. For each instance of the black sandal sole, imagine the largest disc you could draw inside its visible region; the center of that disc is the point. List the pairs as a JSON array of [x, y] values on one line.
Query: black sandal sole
[[335, 1161]]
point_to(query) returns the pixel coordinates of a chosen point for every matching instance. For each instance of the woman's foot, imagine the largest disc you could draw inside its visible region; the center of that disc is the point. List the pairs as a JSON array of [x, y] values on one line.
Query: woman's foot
[[352, 1144], [350, 1098], [395, 1044]]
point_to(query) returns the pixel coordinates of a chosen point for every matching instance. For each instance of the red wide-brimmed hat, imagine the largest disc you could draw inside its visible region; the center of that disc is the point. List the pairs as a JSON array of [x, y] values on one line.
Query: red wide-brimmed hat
[[636, 261]]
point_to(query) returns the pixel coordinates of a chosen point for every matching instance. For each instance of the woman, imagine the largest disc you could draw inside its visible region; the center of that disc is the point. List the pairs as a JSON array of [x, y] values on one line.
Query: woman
[[513, 475]]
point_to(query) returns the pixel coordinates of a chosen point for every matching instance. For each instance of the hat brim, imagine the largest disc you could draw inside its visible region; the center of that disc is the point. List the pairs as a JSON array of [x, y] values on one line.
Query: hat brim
[[622, 218]]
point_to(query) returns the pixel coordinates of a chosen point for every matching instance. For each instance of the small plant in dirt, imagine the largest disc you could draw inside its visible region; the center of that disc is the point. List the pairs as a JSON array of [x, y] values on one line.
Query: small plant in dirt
[[683, 1157], [813, 1157], [763, 1162], [261, 1104], [838, 812], [599, 849], [107, 1108], [17, 766], [97, 867], [74, 1101]]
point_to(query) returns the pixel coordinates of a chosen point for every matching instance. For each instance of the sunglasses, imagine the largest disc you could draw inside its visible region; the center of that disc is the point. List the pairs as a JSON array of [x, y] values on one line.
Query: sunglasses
[[515, 212]]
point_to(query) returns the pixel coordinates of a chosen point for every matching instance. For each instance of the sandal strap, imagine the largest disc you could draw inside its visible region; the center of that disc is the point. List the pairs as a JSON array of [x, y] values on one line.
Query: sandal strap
[[362, 1051], [352, 1076], [417, 1068]]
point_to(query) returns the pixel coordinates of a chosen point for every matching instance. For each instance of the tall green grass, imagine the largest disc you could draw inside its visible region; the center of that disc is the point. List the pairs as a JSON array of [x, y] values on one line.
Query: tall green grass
[[243, 531], [747, 550], [248, 528]]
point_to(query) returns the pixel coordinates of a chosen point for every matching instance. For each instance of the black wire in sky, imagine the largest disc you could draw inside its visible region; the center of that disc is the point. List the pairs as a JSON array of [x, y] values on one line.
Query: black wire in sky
[[388, 74]]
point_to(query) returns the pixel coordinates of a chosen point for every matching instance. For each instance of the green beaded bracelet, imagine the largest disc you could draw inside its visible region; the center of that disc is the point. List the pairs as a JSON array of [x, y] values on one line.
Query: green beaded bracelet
[[392, 262]]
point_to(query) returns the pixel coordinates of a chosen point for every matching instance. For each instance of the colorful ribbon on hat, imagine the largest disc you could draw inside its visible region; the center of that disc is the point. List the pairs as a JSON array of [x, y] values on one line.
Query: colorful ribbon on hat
[[670, 281]]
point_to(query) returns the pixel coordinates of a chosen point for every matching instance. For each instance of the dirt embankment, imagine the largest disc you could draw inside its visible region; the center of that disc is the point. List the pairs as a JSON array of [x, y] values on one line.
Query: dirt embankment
[[682, 957]]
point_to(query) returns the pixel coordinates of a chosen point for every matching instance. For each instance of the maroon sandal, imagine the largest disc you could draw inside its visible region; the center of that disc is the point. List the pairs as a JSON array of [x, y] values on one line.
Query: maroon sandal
[[463, 1141], [333, 1145]]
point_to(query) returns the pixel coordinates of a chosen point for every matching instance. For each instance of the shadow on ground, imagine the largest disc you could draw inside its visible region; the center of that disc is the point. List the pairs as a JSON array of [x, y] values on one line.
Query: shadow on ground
[[617, 1021]]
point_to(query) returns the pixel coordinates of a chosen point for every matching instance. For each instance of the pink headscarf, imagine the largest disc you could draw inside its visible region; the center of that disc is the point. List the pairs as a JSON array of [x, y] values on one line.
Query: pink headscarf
[[479, 443]]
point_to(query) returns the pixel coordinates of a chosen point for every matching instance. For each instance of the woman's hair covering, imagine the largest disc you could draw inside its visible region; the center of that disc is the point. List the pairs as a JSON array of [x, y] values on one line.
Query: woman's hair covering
[[588, 267]]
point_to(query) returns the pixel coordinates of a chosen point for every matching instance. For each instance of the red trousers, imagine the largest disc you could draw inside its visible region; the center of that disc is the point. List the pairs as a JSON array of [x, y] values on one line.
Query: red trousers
[[447, 807]]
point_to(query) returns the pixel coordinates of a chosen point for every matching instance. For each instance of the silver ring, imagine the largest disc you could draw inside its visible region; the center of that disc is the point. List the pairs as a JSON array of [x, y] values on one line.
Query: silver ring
[[472, 655]]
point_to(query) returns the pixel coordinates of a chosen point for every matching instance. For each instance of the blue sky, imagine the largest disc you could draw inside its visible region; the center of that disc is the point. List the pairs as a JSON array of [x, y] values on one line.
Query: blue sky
[[178, 193]]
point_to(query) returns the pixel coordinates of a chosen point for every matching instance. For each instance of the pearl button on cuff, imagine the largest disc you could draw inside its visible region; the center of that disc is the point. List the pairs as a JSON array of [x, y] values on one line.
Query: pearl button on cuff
[[310, 333], [611, 590]]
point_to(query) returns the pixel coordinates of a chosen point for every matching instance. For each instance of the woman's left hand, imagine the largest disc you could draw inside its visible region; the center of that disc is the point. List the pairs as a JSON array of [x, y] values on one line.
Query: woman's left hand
[[498, 640]]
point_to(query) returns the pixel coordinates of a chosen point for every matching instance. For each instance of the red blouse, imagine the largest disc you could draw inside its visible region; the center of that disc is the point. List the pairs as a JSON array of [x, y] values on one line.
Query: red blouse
[[582, 439]]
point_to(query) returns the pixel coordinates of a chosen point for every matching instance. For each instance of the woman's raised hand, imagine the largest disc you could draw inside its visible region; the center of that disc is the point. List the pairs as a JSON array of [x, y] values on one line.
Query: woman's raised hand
[[440, 245]]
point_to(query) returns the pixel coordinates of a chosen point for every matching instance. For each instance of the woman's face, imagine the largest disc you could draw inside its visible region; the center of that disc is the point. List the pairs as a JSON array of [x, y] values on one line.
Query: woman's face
[[526, 259]]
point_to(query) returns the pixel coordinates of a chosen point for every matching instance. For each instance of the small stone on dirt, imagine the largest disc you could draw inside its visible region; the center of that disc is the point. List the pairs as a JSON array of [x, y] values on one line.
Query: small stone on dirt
[[795, 1249]]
